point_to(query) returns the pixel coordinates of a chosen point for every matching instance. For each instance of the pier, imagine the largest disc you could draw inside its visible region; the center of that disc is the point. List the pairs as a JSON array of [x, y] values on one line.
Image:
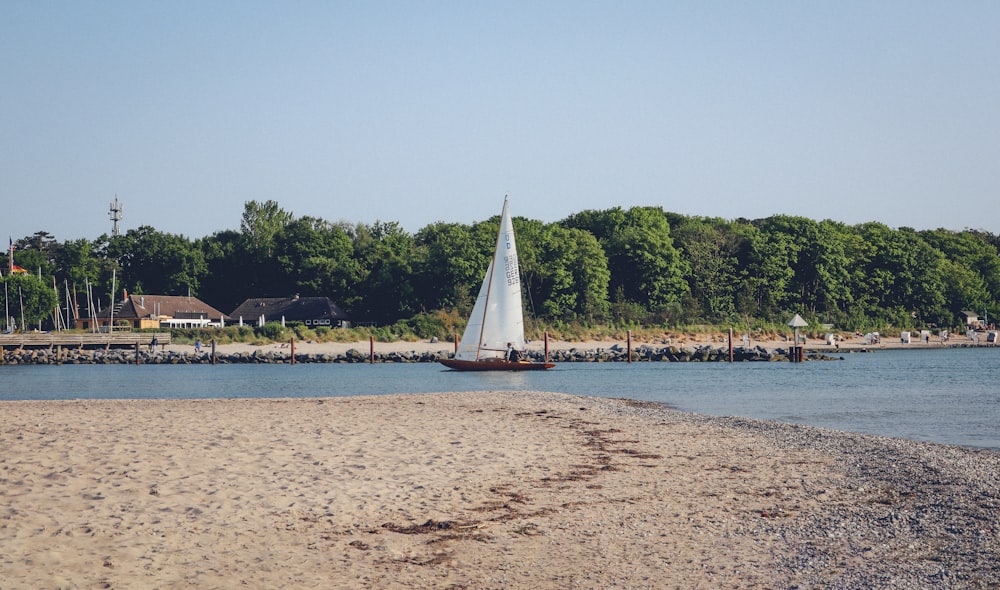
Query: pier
[[36, 340]]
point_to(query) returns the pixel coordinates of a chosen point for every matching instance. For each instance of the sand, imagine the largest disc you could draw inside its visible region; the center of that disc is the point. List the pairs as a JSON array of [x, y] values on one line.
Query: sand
[[477, 490]]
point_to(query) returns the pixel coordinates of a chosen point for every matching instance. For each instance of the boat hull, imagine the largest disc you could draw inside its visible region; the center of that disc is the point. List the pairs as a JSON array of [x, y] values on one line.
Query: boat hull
[[494, 365]]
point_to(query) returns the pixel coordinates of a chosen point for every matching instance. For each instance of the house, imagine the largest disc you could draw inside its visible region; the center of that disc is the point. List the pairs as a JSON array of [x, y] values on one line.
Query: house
[[156, 311], [972, 320], [311, 311]]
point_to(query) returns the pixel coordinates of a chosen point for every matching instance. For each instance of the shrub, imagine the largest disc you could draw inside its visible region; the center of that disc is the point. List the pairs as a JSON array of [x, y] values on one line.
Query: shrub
[[272, 331]]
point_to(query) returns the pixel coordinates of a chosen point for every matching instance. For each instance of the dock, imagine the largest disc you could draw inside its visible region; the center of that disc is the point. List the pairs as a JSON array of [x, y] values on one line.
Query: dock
[[36, 340]]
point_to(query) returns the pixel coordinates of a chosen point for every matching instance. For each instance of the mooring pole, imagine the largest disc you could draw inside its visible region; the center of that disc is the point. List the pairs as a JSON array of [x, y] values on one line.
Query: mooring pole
[[455, 338], [292, 344], [628, 345], [213, 351], [731, 345], [546, 346], [371, 350], [137, 353]]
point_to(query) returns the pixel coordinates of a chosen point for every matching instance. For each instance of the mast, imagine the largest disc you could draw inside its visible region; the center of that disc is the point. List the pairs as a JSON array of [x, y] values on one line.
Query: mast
[[20, 299], [69, 300], [57, 312], [111, 324]]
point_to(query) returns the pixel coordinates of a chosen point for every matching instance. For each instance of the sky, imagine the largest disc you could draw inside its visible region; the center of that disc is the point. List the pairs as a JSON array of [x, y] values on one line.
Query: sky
[[424, 111]]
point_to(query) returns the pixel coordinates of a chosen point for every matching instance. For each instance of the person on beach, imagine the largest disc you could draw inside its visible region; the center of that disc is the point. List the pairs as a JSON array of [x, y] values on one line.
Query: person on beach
[[197, 346], [152, 345]]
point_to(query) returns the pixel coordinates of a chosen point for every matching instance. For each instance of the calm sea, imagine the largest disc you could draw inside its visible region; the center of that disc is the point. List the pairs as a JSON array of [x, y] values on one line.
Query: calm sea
[[949, 396]]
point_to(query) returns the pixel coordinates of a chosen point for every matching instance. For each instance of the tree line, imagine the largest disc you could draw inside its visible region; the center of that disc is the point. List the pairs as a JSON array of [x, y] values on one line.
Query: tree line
[[635, 266]]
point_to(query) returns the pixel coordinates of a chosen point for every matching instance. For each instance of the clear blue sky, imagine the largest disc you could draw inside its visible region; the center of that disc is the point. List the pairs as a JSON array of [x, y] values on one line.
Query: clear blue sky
[[429, 111]]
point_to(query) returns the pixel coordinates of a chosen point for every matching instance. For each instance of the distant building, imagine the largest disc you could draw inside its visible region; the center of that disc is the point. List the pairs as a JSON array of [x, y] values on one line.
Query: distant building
[[972, 320], [311, 311], [156, 311]]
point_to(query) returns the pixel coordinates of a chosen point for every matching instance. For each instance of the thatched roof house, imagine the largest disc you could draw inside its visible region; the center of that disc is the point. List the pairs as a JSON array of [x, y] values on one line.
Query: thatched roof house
[[311, 311]]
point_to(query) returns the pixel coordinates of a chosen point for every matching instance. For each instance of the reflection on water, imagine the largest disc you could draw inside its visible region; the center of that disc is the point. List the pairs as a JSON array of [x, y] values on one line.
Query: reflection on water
[[947, 396]]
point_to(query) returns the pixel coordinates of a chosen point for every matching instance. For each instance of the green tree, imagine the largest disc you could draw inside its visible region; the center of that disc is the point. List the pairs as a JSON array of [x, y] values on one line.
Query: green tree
[[227, 268], [313, 257], [711, 248], [767, 272], [451, 265], [153, 262], [385, 254], [261, 224], [78, 266], [572, 275], [832, 257], [30, 300], [799, 235], [975, 251], [76, 262], [645, 265], [37, 253], [903, 275], [964, 290], [260, 228]]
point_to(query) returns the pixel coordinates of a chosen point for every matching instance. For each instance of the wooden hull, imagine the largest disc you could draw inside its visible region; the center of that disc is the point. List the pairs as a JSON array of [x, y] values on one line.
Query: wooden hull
[[494, 365]]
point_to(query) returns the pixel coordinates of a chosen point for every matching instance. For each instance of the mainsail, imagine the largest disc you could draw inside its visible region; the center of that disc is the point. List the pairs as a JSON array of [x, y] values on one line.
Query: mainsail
[[497, 318]]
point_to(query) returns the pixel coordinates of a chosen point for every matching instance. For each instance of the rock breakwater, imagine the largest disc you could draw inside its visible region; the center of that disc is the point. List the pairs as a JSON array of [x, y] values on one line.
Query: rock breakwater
[[616, 353]]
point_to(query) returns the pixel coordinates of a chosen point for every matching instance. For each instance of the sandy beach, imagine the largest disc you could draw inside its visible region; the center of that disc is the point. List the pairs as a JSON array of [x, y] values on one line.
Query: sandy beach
[[478, 490]]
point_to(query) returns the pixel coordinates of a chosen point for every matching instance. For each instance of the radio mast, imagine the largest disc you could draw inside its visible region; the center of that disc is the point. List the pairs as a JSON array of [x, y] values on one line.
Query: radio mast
[[115, 215]]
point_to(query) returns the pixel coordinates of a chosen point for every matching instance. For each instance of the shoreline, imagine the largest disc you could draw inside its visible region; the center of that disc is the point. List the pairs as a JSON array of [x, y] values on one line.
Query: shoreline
[[536, 348], [421, 347], [499, 489], [700, 349]]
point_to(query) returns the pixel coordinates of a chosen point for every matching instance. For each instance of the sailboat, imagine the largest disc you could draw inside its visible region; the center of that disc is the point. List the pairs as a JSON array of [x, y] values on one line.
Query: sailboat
[[496, 324]]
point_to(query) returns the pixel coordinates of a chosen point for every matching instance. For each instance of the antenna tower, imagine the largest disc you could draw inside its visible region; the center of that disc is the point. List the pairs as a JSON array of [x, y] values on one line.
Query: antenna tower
[[115, 215]]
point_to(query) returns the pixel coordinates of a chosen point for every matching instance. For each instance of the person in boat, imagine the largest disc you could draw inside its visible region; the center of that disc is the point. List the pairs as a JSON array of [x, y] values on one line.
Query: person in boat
[[512, 354]]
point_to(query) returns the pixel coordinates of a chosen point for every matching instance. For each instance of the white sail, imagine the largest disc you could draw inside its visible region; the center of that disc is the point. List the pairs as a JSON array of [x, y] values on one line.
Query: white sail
[[497, 317]]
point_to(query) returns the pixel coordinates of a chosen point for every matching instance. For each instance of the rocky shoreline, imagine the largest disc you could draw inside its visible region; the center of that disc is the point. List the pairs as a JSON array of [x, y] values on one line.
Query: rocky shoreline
[[914, 514], [614, 353]]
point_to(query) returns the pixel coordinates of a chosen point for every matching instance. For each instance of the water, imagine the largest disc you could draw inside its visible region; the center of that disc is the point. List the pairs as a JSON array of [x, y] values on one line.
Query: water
[[947, 395]]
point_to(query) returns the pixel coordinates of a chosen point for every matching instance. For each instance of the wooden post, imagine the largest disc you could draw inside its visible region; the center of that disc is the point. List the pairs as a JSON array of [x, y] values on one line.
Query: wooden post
[[731, 345], [546, 347], [795, 349], [455, 338], [371, 350], [213, 351], [292, 344], [137, 353], [628, 345]]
